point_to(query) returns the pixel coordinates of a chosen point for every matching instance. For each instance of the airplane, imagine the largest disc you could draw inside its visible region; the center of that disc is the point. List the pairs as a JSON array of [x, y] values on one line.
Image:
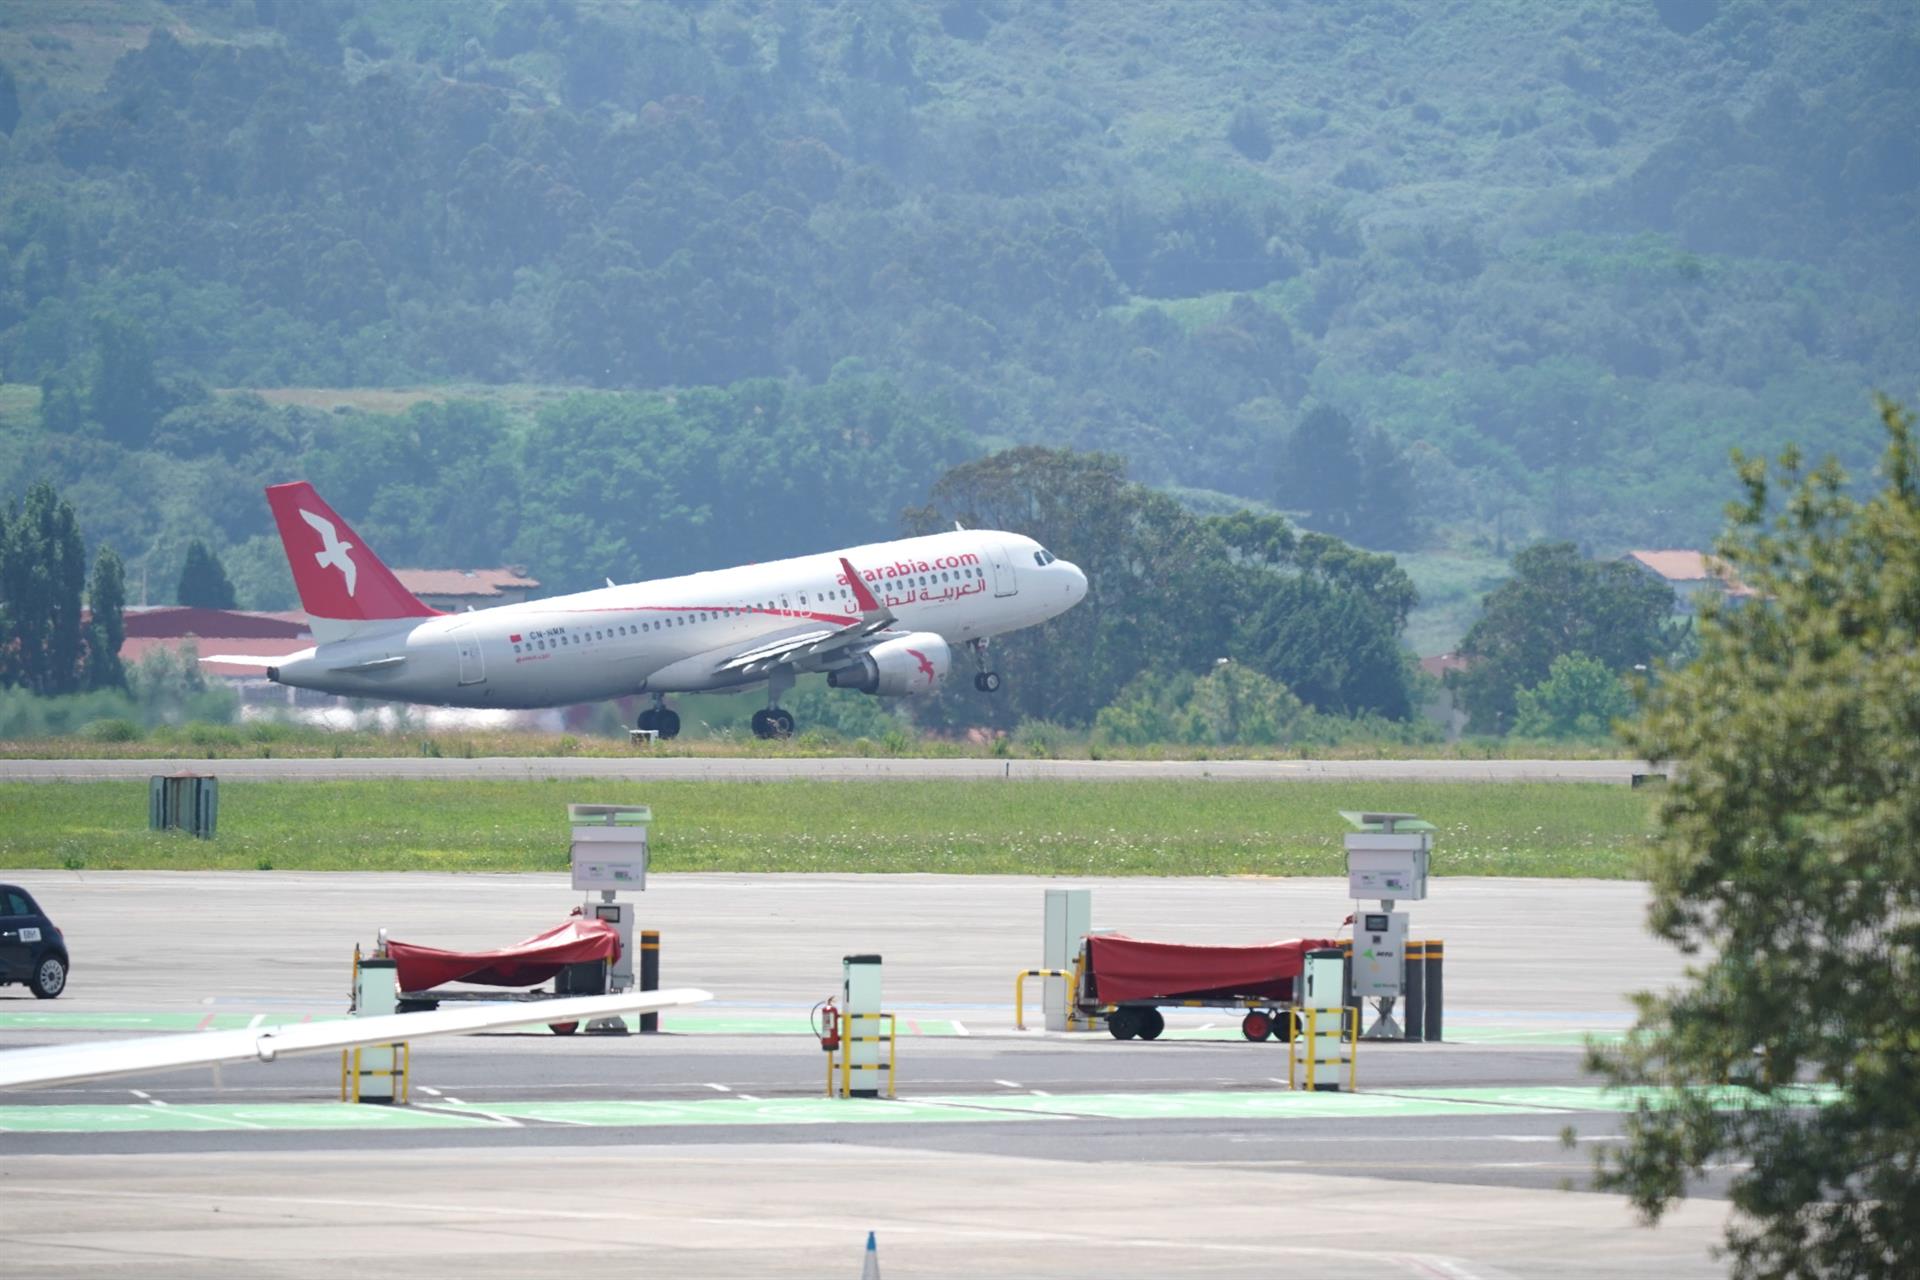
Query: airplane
[[104, 1059], [884, 619]]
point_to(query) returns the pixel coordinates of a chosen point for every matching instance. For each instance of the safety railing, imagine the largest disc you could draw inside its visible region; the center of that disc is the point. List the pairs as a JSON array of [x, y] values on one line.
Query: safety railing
[[841, 1060], [1020, 991], [1309, 1040], [399, 1069]]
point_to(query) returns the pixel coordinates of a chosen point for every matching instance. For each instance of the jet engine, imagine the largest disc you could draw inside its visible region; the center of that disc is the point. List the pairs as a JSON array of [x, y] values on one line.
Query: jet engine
[[906, 665]]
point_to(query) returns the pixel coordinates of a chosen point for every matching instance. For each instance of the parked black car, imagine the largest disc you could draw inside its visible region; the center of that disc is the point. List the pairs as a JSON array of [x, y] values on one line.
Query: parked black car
[[31, 948]]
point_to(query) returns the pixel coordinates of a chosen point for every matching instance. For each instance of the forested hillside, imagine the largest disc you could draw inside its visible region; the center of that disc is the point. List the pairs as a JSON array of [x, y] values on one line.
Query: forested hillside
[[1426, 275]]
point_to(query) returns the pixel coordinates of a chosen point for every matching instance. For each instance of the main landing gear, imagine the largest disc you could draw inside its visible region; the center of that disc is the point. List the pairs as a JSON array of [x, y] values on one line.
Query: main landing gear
[[659, 719], [986, 681], [773, 722]]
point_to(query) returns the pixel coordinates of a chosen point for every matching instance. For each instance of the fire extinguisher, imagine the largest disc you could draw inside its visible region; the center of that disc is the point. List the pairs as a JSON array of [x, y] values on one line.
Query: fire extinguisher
[[829, 1025]]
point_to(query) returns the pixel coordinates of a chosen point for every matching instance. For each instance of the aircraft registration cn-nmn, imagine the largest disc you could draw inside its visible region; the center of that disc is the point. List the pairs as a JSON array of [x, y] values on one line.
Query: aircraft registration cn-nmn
[[883, 619]]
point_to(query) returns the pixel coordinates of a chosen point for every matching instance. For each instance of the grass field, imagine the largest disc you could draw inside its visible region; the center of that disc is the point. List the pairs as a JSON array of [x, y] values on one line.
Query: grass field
[[1066, 828]]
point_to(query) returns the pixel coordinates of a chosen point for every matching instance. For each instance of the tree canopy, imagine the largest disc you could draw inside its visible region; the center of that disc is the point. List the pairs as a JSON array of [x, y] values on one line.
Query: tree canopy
[[1559, 603], [1548, 266], [1789, 870], [1169, 591]]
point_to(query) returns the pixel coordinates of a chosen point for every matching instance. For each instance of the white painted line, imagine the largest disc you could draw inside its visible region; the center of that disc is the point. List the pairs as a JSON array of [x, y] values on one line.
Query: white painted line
[[748, 1097], [455, 1101], [1040, 1093], [256, 1020], [719, 1088], [506, 1122], [155, 1102], [430, 1091], [1011, 1084], [198, 1115], [960, 1028], [143, 1096]]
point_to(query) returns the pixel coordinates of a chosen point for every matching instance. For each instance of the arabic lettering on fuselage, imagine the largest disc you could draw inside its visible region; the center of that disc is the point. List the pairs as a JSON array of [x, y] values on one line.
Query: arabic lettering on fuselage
[[935, 594]]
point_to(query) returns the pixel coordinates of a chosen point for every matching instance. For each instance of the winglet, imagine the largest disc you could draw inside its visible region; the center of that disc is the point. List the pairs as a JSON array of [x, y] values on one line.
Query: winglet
[[861, 596]]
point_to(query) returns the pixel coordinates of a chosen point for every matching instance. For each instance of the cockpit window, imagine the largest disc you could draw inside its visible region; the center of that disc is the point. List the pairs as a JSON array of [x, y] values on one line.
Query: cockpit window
[[1044, 557]]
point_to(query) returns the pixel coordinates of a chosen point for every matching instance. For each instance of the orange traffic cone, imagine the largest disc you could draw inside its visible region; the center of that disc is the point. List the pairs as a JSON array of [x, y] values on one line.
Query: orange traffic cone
[[870, 1270]]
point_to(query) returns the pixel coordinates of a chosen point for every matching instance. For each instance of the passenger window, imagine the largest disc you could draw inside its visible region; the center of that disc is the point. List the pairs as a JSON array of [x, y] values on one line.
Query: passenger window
[[19, 906]]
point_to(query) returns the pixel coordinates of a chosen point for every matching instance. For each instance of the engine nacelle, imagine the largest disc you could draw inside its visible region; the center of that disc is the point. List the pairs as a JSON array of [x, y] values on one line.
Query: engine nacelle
[[906, 665]]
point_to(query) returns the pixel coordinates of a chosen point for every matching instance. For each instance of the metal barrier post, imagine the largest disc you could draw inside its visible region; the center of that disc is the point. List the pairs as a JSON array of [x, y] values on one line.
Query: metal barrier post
[[649, 973], [1415, 1001], [1436, 989]]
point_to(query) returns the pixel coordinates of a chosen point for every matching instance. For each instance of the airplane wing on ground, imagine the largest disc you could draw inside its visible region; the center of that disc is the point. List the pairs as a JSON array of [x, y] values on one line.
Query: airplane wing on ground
[[811, 645], [100, 1060]]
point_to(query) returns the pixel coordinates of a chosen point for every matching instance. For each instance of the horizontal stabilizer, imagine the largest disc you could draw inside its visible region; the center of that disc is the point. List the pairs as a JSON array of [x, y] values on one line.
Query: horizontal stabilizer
[[245, 659], [99, 1060]]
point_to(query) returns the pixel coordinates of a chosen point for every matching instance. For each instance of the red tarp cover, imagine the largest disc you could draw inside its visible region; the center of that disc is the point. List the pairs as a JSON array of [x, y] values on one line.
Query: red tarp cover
[[525, 964], [1128, 969]]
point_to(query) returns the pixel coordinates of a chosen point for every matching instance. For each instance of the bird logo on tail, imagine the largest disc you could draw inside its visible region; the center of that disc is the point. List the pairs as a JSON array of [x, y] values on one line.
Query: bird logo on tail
[[333, 554]]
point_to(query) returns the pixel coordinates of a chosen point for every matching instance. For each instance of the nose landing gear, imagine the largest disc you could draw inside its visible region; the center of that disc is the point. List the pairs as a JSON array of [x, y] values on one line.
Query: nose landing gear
[[986, 681]]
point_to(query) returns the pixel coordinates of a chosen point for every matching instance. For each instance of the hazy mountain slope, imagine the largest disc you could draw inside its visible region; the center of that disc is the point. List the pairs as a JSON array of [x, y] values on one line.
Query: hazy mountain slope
[[1566, 257]]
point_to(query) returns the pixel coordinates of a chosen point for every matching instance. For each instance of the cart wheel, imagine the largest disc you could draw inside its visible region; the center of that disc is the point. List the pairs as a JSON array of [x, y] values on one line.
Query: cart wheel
[[1282, 1025], [1123, 1024], [1152, 1023], [563, 1028], [1256, 1026]]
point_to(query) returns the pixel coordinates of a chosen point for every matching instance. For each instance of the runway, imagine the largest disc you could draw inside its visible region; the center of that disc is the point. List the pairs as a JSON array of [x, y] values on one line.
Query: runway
[[708, 1150], [640, 768]]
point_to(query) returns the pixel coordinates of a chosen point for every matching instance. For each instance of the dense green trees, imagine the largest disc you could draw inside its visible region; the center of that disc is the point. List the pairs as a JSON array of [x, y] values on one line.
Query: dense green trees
[[1534, 302], [1580, 698], [1789, 871], [1170, 592], [1348, 481], [1559, 603], [44, 646], [203, 580]]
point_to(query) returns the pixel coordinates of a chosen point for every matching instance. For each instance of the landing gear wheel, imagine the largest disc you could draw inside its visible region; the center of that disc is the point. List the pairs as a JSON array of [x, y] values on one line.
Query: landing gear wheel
[[772, 722], [1256, 1026], [563, 1028], [648, 721], [49, 978], [1123, 1024], [987, 682], [668, 723], [1152, 1023]]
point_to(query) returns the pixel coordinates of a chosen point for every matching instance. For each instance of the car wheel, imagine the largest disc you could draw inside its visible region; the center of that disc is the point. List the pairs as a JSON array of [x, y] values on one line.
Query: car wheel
[[49, 977]]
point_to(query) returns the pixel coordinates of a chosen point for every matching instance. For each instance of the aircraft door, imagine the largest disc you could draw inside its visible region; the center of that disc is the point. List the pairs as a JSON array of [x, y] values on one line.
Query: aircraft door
[[1001, 567], [473, 668]]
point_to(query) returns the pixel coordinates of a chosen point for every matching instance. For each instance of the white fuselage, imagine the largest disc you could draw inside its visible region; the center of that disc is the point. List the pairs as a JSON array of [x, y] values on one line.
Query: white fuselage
[[671, 635]]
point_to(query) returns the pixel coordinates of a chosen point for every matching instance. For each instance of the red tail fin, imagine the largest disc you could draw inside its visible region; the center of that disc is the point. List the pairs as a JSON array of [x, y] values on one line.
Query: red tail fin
[[338, 575]]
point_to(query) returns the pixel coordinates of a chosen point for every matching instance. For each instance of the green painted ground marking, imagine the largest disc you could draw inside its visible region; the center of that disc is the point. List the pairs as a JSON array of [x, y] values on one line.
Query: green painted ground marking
[[1573, 1098], [1250, 1105], [782, 1025], [171, 1020], [1456, 1034], [1276, 1104], [741, 1111], [234, 1117]]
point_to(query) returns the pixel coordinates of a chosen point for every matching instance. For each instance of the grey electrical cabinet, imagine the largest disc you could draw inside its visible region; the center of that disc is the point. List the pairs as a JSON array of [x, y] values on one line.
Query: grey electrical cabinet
[[1387, 856]]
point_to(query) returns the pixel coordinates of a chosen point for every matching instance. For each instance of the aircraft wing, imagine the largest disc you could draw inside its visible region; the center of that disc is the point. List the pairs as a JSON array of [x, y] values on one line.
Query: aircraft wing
[[808, 645], [99, 1060]]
